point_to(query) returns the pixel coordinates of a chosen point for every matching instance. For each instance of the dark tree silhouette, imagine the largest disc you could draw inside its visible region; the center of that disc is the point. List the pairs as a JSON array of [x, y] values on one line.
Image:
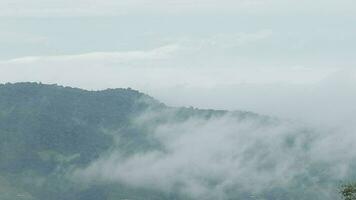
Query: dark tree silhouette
[[348, 191]]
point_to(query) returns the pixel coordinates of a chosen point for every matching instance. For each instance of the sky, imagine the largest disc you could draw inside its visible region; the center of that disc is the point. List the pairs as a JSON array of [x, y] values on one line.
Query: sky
[[286, 58]]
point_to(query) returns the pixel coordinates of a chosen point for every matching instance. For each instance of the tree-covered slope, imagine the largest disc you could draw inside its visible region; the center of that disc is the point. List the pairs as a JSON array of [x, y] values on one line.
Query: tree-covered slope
[[41, 123], [46, 130], [61, 143]]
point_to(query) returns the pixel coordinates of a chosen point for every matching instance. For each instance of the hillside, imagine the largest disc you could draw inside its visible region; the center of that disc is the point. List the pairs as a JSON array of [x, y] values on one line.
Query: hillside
[[45, 129], [66, 143]]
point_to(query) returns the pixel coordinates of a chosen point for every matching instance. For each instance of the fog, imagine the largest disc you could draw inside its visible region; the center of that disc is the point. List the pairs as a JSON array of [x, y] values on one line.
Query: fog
[[307, 149], [290, 60], [319, 95], [328, 102], [223, 156]]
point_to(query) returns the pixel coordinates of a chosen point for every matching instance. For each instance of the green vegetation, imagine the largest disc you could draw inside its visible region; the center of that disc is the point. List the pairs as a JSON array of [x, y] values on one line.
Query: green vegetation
[[48, 131], [348, 191]]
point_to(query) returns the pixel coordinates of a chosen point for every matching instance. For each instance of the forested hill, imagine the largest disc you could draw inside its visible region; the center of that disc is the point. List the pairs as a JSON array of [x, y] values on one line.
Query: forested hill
[[47, 129], [36, 119], [62, 143]]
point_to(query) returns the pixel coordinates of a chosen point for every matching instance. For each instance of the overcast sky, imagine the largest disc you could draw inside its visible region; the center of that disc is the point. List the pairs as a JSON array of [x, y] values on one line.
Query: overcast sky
[[290, 58]]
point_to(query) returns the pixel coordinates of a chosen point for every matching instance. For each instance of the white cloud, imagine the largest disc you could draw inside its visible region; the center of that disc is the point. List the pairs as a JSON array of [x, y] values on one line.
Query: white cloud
[[101, 57], [327, 98], [207, 159]]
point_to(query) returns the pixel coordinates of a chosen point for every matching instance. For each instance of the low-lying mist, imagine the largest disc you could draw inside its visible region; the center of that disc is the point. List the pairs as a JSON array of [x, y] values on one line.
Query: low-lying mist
[[231, 156]]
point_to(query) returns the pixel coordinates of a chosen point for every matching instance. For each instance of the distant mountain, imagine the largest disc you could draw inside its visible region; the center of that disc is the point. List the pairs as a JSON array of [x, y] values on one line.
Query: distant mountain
[[49, 132]]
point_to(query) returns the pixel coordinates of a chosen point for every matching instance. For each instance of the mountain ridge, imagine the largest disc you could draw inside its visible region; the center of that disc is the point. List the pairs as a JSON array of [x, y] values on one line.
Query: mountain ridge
[[47, 132]]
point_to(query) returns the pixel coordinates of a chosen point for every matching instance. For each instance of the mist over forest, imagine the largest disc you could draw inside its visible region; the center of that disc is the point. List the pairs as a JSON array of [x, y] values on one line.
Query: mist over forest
[[67, 143], [177, 100]]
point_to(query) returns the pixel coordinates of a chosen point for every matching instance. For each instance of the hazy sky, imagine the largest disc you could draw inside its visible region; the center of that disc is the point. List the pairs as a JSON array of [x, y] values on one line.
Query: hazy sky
[[276, 57]]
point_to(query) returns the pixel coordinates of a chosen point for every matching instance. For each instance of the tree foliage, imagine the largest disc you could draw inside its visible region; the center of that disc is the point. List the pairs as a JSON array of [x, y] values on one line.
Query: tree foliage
[[348, 191]]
